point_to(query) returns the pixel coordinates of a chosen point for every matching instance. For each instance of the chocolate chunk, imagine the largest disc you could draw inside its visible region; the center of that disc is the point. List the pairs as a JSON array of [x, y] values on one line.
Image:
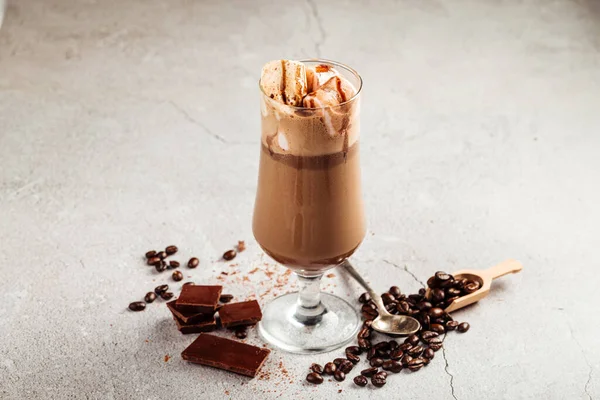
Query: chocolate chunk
[[226, 298], [188, 317], [226, 354], [244, 313], [196, 327], [199, 298]]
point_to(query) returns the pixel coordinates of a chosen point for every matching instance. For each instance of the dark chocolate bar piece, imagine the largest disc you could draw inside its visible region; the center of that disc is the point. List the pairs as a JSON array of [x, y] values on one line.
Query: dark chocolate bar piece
[[198, 298], [244, 313], [196, 327], [189, 317], [226, 354]]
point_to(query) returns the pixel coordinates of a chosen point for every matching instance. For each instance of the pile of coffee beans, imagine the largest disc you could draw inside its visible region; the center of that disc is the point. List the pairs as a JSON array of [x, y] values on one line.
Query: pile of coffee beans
[[417, 350]]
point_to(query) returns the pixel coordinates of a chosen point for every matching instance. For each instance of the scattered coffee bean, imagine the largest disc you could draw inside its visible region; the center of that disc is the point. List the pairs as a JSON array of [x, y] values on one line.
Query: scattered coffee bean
[[137, 306], [229, 255], [376, 362], [193, 263], [353, 350], [364, 344], [364, 298], [396, 354], [395, 291], [153, 260], [330, 368], [369, 372], [167, 296], [416, 364], [364, 333], [439, 328], [422, 291], [384, 353], [415, 351], [346, 366], [463, 327], [424, 305], [387, 298], [429, 354], [403, 307], [436, 312], [435, 344], [170, 250], [451, 325], [371, 353], [354, 359], [177, 276], [226, 298], [391, 365], [412, 340], [173, 264], [150, 254], [426, 335], [405, 360], [160, 266], [405, 346], [316, 368], [338, 361], [162, 255], [150, 297], [378, 380], [314, 378], [161, 289], [242, 332], [360, 381], [339, 376]]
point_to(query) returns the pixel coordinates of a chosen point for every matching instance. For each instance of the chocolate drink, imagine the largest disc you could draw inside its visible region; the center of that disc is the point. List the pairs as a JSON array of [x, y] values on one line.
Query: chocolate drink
[[309, 212]]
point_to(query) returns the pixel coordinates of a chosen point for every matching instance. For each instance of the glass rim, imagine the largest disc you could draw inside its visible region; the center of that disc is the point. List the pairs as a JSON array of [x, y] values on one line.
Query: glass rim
[[324, 61]]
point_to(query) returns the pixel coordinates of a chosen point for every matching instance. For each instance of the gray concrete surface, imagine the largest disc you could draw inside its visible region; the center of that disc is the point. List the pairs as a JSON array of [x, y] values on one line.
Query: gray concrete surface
[[130, 125]]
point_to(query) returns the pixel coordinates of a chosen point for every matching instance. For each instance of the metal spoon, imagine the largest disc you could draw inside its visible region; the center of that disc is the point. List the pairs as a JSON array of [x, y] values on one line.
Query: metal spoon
[[399, 325]]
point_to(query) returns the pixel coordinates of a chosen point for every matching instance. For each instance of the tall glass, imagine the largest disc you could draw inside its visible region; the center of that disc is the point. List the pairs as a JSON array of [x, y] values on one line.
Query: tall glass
[[309, 215]]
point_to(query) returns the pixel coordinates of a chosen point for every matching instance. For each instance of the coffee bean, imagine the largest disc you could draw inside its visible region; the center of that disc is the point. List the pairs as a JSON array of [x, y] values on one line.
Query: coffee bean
[[177, 276], [173, 264], [405, 346], [387, 298], [438, 295], [167, 296], [424, 305], [442, 276], [384, 353], [188, 283], [353, 350], [424, 320], [416, 364], [241, 332], [316, 368], [360, 381], [376, 362], [366, 308], [369, 371], [429, 354], [153, 260], [314, 378], [339, 376], [346, 366], [415, 351], [367, 323], [226, 298], [463, 327], [364, 298], [364, 344], [403, 307], [338, 361], [330, 368], [436, 312], [150, 297], [162, 255], [193, 263], [451, 292], [412, 340], [354, 359], [395, 291], [396, 354], [439, 328], [427, 335], [371, 353], [422, 291], [435, 344], [150, 254], [451, 325], [415, 298], [378, 381], [161, 266], [460, 283], [471, 287], [382, 374], [364, 333], [391, 365], [137, 306], [405, 360], [172, 249], [229, 255], [449, 301], [432, 283], [391, 307], [382, 345], [161, 289], [392, 345]]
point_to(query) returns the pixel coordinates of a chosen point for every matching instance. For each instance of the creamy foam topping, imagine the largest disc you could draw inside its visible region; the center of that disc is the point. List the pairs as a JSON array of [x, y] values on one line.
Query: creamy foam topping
[[323, 126]]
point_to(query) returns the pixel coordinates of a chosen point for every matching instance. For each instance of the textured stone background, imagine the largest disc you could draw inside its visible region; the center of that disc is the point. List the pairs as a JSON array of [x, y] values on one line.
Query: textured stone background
[[130, 125]]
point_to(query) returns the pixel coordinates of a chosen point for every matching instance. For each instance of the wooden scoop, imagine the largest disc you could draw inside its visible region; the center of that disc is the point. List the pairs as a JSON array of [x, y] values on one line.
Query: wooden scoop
[[485, 278]]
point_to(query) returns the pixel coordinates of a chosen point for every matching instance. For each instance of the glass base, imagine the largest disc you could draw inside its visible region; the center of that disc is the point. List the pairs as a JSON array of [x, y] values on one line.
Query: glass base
[[338, 325]]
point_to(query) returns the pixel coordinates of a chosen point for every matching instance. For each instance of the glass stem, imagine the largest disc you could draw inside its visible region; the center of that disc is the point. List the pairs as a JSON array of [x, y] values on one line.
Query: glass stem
[[309, 309]]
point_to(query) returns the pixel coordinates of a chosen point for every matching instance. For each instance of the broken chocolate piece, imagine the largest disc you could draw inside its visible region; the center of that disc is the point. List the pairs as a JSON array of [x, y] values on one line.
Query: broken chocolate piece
[[245, 313], [196, 327], [188, 317], [226, 354], [199, 298]]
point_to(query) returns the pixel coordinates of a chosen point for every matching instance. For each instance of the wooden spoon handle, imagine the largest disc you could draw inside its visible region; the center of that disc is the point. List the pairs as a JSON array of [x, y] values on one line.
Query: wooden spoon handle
[[504, 268]]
